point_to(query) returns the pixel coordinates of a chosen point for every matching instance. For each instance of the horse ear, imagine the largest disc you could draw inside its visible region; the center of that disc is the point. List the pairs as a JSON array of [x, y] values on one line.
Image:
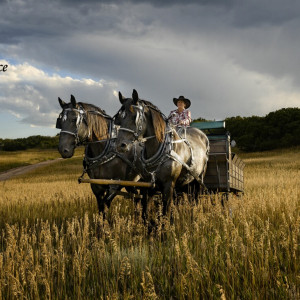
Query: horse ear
[[135, 97], [61, 102], [121, 98], [73, 101]]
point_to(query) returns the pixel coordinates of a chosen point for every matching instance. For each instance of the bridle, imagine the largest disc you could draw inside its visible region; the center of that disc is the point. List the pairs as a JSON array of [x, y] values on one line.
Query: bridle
[[81, 116], [139, 120], [140, 117]]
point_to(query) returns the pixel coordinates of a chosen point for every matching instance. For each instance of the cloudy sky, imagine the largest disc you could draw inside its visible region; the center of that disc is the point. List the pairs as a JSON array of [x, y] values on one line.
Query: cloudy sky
[[230, 57]]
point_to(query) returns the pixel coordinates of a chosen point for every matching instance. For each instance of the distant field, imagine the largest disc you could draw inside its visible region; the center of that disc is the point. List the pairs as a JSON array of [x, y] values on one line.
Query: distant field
[[53, 244], [14, 159]]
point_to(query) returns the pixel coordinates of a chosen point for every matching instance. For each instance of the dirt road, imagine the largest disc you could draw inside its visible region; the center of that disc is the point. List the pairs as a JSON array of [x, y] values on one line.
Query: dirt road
[[22, 170]]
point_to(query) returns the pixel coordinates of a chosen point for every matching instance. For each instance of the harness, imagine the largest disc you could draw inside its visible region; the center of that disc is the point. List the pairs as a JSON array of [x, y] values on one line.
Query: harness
[[165, 150], [108, 153]]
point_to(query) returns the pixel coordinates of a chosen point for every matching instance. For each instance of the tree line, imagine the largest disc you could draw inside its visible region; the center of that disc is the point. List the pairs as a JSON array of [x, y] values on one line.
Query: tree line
[[36, 141], [278, 129]]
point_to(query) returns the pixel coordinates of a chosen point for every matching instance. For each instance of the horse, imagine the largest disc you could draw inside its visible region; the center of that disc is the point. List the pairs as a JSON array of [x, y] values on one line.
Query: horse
[[86, 123], [172, 158]]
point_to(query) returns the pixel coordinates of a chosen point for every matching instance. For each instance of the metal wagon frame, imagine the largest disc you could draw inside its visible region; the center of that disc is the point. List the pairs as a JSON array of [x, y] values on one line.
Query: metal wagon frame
[[225, 169]]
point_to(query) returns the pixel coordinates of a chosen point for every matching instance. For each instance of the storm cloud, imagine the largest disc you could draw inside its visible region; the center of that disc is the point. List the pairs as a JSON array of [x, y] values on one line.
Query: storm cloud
[[229, 57]]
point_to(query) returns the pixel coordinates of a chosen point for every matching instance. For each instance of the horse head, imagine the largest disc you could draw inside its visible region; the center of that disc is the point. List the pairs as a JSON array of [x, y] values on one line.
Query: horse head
[[73, 124], [138, 119]]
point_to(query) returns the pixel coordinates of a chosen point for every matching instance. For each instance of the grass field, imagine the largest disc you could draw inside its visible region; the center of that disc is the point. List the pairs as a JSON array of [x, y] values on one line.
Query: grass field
[[15, 159], [54, 245]]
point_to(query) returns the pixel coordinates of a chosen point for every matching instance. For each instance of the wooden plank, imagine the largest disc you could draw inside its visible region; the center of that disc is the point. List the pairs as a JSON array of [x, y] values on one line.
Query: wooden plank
[[238, 162], [236, 174], [118, 182], [234, 159]]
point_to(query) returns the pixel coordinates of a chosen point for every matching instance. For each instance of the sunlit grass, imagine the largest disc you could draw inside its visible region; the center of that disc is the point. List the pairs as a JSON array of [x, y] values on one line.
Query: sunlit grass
[[53, 244], [14, 159]]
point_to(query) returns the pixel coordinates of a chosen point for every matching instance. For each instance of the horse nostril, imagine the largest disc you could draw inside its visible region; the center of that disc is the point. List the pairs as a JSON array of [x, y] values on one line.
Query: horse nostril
[[66, 150], [123, 147]]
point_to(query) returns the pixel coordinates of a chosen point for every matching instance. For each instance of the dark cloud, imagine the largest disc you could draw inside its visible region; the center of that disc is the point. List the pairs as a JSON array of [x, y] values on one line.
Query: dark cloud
[[156, 2], [228, 57], [258, 13]]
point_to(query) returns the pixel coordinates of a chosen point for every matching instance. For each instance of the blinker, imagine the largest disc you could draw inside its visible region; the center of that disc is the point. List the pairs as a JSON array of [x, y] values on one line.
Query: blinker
[[58, 123]]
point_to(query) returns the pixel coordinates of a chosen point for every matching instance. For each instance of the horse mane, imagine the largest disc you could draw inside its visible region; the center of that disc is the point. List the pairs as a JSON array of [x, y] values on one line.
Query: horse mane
[[158, 121], [97, 124]]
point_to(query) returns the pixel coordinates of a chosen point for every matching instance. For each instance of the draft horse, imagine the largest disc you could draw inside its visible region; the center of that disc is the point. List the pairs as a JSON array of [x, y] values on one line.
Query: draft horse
[[168, 158], [86, 123]]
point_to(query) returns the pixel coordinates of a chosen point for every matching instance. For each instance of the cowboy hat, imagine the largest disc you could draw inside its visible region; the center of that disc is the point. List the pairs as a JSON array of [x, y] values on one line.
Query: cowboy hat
[[186, 101]]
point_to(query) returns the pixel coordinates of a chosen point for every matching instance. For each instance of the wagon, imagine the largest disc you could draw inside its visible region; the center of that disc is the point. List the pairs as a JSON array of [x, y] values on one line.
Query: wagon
[[225, 169], [224, 172]]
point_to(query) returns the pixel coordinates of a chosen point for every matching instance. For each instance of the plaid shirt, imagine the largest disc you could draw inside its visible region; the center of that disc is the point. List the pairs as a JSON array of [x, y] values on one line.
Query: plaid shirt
[[185, 117]]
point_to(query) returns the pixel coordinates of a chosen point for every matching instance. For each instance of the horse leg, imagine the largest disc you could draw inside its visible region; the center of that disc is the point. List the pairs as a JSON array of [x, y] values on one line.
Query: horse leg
[[111, 194], [99, 194], [144, 203], [102, 199], [168, 191]]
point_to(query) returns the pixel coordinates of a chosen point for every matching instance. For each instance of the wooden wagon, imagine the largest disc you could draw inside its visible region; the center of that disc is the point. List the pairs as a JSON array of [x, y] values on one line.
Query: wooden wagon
[[225, 170]]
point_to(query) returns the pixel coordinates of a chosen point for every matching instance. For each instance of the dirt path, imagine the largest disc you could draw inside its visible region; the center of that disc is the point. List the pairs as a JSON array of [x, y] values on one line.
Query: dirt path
[[22, 170]]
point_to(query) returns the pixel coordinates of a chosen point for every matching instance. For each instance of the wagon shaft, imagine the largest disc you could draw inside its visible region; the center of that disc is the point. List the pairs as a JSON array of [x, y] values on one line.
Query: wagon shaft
[[118, 182]]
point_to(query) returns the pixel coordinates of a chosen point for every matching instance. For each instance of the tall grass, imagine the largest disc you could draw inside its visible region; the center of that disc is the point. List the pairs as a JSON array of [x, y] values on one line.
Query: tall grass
[[14, 159], [54, 245]]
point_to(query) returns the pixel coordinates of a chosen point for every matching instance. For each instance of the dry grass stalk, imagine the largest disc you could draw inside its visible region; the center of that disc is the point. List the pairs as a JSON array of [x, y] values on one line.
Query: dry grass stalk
[[53, 244]]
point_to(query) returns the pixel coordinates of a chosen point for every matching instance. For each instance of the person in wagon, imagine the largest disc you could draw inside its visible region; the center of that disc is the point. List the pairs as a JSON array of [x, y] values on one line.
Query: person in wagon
[[181, 116]]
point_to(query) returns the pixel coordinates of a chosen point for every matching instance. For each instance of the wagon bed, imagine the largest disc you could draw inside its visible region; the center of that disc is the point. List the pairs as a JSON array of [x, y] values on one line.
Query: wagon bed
[[225, 170]]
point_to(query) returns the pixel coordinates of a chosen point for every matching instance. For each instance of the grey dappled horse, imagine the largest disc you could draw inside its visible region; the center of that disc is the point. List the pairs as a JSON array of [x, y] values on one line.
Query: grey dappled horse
[[167, 158], [82, 122]]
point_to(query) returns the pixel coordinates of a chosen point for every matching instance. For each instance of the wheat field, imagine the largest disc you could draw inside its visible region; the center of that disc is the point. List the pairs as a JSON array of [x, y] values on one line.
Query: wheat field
[[14, 159], [54, 244]]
